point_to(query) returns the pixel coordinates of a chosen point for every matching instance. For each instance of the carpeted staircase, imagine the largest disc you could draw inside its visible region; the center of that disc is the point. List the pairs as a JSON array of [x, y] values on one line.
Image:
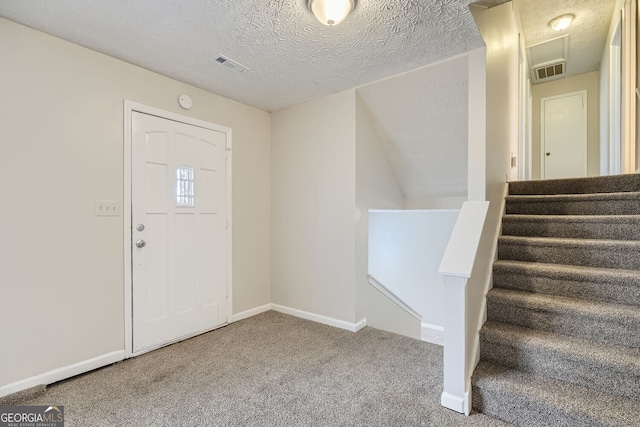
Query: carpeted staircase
[[561, 345]]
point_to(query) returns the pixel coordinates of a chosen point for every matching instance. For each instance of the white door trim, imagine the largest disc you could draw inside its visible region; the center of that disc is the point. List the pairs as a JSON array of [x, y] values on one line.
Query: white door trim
[[129, 108], [615, 102], [584, 129], [629, 85]]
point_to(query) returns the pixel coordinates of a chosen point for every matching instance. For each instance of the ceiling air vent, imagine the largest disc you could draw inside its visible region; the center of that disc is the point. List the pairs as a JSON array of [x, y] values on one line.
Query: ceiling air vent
[[548, 60], [231, 64], [550, 71]]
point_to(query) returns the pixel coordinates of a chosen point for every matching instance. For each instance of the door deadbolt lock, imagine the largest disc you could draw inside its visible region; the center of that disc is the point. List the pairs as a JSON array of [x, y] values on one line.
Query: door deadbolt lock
[[548, 154], [140, 227], [141, 243]]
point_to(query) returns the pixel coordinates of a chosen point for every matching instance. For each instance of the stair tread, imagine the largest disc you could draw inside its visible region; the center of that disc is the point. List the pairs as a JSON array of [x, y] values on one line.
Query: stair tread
[[601, 184], [589, 352], [560, 304], [568, 271], [610, 227], [571, 218], [572, 197], [568, 241], [572, 251], [582, 405], [560, 342]]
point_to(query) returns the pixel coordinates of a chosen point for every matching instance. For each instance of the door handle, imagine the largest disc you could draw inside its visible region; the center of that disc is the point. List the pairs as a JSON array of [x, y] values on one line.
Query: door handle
[[548, 154], [141, 243]]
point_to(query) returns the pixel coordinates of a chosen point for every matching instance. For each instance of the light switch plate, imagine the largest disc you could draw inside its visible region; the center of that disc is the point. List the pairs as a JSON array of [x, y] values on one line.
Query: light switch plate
[[107, 208]]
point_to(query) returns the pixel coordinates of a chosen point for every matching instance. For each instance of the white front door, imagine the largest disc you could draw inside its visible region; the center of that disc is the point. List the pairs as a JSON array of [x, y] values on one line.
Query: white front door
[[564, 136], [179, 240]]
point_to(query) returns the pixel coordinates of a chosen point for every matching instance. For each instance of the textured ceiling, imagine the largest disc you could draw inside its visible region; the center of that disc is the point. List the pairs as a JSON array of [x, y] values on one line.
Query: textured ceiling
[[291, 56], [293, 59], [587, 33]]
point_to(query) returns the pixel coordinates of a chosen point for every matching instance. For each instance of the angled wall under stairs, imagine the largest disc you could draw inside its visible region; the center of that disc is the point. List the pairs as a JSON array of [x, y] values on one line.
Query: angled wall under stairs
[[561, 345]]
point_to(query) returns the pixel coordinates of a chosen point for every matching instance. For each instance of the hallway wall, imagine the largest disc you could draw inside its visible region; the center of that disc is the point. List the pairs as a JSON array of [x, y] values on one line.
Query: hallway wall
[[588, 82], [62, 267]]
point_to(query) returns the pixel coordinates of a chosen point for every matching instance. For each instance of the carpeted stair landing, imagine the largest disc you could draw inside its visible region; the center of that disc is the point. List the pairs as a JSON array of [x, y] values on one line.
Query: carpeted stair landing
[[561, 345]]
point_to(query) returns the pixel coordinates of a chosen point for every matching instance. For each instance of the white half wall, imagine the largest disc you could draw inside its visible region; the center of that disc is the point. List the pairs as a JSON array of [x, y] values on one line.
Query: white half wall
[[62, 149], [313, 186], [405, 252]]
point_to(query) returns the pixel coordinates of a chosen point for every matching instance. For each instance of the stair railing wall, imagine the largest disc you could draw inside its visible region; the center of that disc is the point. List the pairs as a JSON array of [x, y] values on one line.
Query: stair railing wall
[[456, 270], [405, 251]]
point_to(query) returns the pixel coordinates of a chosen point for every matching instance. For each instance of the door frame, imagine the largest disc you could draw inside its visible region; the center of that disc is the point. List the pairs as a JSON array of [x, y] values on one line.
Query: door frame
[[615, 101], [129, 108], [629, 86], [585, 141]]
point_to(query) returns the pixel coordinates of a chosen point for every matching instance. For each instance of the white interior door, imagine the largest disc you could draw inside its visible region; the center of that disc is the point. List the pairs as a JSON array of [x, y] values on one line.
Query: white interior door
[[564, 136], [178, 218]]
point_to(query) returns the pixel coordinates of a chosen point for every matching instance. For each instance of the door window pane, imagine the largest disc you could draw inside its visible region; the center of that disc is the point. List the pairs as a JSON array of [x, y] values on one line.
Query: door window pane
[[184, 186]]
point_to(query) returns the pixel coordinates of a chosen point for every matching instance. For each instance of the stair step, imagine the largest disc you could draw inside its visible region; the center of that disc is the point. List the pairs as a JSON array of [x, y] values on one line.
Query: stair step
[[592, 253], [606, 323], [600, 184], [612, 369], [626, 203], [530, 400], [598, 284], [615, 227], [560, 346]]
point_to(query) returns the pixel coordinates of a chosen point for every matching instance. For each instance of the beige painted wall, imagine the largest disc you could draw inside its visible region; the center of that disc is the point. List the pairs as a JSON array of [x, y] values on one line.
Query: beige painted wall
[[421, 113], [608, 163], [498, 27], [61, 148], [588, 82], [313, 185], [376, 188]]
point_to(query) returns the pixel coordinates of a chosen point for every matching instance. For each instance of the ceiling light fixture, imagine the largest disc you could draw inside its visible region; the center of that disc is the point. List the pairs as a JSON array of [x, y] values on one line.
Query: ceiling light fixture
[[331, 12], [561, 22]]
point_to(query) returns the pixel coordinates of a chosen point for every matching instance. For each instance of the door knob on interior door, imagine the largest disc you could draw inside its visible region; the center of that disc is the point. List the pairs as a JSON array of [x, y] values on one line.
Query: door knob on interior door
[[548, 154], [141, 243]]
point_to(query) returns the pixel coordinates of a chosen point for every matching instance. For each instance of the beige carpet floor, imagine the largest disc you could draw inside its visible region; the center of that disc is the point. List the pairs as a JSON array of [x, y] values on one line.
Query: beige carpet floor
[[269, 370]]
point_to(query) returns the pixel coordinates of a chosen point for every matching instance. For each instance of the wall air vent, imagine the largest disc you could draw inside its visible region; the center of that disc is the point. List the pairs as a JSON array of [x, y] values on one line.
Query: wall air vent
[[230, 64], [550, 71]]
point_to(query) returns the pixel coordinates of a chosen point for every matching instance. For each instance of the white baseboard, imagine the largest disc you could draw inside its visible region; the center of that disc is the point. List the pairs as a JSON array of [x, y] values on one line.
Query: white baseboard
[[353, 327], [386, 292], [250, 313], [116, 356], [432, 327], [361, 324], [62, 373], [456, 403]]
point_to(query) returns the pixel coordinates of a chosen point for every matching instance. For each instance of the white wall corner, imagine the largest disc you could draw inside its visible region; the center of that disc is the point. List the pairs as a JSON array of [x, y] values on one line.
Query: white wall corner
[[318, 318], [353, 327], [477, 126], [250, 313]]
